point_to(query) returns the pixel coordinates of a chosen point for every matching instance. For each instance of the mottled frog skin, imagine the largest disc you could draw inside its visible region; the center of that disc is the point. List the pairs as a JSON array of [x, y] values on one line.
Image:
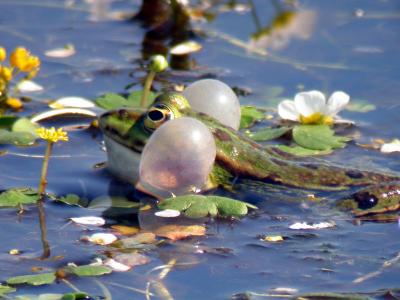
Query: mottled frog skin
[[239, 156]]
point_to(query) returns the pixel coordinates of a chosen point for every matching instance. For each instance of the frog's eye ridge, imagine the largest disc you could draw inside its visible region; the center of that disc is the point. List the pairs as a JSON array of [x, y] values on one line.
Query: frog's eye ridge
[[365, 200], [156, 116]]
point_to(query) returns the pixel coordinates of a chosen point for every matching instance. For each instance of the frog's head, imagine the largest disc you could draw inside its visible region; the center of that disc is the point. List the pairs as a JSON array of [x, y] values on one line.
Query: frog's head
[[126, 132], [133, 127], [372, 200]]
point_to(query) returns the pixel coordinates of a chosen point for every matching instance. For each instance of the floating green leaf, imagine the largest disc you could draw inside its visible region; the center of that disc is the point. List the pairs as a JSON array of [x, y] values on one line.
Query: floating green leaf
[[249, 115], [71, 199], [37, 279], [24, 125], [300, 151], [318, 137], [197, 206], [134, 98], [114, 101], [16, 138], [89, 270], [18, 196], [110, 101], [5, 289], [46, 296], [267, 134]]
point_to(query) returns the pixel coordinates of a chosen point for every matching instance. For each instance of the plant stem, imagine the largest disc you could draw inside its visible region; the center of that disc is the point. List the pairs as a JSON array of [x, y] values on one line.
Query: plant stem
[[43, 231], [45, 166], [146, 88], [40, 203]]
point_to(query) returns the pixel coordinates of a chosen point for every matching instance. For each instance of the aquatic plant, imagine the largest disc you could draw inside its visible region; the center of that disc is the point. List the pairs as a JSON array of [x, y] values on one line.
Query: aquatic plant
[[20, 61], [312, 108]]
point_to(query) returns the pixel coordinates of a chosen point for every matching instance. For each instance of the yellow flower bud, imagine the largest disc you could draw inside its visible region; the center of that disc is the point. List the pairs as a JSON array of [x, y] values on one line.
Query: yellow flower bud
[[14, 103], [158, 63], [19, 55], [3, 54], [5, 73]]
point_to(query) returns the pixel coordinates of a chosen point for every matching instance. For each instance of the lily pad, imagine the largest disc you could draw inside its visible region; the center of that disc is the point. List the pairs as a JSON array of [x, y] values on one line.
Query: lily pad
[[37, 279], [267, 134], [20, 132], [16, 138], [318, 137], [24, 125], [301, 151], [249, 115], [75, 296], [197, 206], [89, 270], [18, 196], [111, 101]]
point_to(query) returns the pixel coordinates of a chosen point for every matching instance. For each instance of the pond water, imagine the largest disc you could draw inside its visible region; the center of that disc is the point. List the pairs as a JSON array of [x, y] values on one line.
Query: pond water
[[339, 45]]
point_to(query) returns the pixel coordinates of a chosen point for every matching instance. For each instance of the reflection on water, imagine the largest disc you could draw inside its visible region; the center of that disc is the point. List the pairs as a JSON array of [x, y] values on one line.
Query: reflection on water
[[286, 25]]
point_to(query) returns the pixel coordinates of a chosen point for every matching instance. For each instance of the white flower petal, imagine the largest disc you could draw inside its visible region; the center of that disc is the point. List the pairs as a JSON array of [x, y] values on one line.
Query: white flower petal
[[116, 266], [393, 146], [168, 213], [78, 102], [94, 221], [337, 101], [287, 110], [304, 225], [308, 103], [28, 86], [66, 51], [102, 238]]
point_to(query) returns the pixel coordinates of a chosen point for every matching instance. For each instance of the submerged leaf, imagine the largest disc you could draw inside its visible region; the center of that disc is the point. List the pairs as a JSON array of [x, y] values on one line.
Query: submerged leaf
[[178, 232], [318, 137], [37, 279], [249, 115], [197, 206], [360, 106], [18, 196], [267, 134]]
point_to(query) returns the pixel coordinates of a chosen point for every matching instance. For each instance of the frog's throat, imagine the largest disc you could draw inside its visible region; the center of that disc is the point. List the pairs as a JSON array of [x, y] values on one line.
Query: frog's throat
[[122, 162]]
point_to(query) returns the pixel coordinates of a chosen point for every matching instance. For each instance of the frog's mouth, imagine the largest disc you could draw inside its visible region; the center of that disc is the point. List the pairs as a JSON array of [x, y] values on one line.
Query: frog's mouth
[[116, 125]]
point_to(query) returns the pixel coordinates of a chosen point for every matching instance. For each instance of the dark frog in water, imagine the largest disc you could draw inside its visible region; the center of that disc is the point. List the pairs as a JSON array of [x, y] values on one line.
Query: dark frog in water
[[127, 131]]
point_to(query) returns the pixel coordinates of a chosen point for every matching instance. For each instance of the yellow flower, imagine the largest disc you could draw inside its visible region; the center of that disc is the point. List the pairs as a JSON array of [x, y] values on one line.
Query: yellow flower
[[52, 135], [14, 103], [3, 54], [22, 59], [5, 73]]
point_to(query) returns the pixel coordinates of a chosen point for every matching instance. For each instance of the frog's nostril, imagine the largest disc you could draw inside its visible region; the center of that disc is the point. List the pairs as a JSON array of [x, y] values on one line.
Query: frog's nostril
[[155, 115], [365, 200]]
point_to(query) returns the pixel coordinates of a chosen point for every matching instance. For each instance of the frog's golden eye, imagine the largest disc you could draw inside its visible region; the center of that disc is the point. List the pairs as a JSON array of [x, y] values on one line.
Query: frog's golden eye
[[156, 116]]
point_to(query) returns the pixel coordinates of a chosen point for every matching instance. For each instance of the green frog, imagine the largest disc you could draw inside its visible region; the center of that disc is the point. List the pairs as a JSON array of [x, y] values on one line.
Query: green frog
[[126, 132]]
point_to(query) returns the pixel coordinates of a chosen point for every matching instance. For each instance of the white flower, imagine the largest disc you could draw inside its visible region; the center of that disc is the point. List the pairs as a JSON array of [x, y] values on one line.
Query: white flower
[[304, 225], [312, 108]]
